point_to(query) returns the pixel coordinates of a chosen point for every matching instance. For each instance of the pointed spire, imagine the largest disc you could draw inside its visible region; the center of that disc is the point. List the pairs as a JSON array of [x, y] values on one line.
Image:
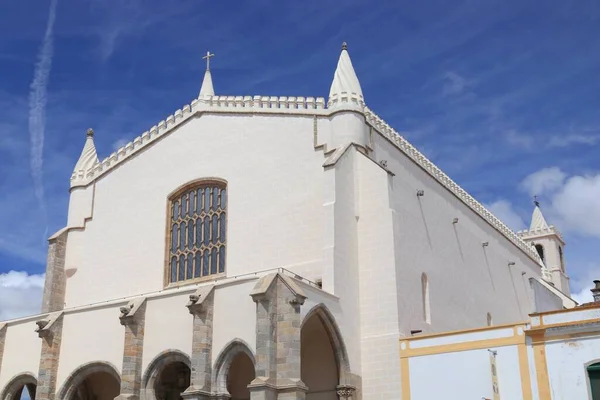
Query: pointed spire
[[537, 219], [88, 157], [345, 79], [207, 86]]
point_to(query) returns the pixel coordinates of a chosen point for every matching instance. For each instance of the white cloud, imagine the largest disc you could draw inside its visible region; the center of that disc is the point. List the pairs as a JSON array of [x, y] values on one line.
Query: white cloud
[[453, 84], [120, 143], [519, 139], [543, 181], [582, 285], [577, 204], [504, 211], [567, 140], [20, 294]]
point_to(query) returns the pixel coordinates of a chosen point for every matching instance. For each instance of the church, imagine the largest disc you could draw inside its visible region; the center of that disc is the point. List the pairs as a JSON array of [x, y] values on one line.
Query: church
[[267, 248]]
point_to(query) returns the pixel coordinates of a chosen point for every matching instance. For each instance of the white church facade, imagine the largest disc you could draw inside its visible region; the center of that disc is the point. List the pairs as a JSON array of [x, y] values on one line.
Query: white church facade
[[267, 248]]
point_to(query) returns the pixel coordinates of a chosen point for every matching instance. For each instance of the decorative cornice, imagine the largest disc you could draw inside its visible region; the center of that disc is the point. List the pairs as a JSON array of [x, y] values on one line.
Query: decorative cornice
[[384, 129]]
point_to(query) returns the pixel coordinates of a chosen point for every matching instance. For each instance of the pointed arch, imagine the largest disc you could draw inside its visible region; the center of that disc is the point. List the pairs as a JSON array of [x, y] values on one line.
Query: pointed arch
[[157, 365], [335, 337], [540, 250], [224, 361], [79, 375], [17, 383], [425, 298]]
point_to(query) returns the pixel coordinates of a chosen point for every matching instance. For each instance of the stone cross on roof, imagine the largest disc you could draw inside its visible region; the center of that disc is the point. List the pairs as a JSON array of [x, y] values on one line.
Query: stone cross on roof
[[207, 57]]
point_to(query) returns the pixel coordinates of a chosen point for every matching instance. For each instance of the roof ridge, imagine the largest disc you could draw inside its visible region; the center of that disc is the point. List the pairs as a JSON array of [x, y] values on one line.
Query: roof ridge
[[407, 148]]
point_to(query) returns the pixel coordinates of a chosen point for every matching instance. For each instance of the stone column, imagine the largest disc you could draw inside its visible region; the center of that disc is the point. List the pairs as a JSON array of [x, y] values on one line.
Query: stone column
[[50, 330], [278, 324], [55, 283], [133, 318], [201, 306], [2, 340]]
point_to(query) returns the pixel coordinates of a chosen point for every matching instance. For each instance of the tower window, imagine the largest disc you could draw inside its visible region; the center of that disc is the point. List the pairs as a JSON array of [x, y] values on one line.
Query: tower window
[[197, 231], [540, 250], [562, 261]]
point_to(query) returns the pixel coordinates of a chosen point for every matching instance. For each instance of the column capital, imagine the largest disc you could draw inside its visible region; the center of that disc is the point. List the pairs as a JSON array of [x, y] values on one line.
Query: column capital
[[345, 391], [199, 300], [46, 326], [131, 310], [261, 290]]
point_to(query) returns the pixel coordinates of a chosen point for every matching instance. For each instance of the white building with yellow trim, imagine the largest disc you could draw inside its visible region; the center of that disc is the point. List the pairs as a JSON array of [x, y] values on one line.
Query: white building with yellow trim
[[553, 356]]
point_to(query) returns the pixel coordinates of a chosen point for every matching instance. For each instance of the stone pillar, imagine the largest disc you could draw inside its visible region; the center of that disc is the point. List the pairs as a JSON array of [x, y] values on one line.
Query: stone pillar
[[50, 330], [278, 324], [55, 283], [2, 340], [201, 306], [133, 318]]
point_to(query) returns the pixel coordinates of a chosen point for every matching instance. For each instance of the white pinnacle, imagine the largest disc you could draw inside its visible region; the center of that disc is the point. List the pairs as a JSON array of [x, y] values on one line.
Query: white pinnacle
[[345, 79], [207, 88], [88, 157], [537, 220]]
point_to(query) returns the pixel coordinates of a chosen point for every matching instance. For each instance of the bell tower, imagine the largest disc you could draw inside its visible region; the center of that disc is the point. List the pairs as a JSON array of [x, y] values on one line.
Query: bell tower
[[549, 244]]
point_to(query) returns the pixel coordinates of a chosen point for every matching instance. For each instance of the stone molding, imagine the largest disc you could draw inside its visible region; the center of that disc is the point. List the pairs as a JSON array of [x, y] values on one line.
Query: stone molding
[[17, 382], [400, 142], [223, 362], [155, 368], [77, 377]]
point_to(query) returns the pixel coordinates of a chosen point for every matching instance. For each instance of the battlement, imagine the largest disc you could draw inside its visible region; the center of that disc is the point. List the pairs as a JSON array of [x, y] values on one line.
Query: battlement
[[382, 127], [239, 104], [351, 99], [551, 230]]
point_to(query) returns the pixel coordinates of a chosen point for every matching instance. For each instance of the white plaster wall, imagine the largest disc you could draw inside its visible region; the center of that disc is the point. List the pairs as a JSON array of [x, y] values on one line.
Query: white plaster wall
[[465, 375], [377, 279], [462, 274], [543, 299], [169, 326], [234, 316], [22, 348], [90, 335], [567, 360], [274, 208]]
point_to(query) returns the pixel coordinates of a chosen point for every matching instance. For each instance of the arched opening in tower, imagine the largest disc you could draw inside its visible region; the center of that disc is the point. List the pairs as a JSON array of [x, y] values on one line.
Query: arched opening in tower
[[319, 365], [241, 373], [173, 380], [540, 250]]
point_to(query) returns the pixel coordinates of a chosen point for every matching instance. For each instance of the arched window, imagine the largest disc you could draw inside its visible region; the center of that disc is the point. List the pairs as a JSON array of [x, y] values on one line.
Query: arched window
[[197, 231], [562, 261], [594, 376], [489, 319], [540, 250], [425, 298]]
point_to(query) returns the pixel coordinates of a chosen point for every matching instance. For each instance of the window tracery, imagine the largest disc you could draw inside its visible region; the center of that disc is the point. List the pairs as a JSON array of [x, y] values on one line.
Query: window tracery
[[197, 231]]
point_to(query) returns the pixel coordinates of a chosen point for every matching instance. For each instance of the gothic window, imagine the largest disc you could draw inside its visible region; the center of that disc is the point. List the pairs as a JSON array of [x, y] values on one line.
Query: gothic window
[[540, 250], [425, 298], [197, 231]]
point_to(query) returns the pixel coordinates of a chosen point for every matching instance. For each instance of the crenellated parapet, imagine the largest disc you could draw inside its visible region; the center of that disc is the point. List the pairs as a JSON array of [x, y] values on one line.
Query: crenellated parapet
[[383, 128], [539, 232]]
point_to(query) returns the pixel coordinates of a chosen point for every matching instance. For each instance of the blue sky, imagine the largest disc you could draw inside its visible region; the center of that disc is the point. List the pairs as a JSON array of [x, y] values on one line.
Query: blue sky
[[502, 95]]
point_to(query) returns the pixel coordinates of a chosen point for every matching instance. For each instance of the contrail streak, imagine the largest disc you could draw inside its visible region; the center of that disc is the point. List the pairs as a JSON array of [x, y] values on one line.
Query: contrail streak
[[37, 110]]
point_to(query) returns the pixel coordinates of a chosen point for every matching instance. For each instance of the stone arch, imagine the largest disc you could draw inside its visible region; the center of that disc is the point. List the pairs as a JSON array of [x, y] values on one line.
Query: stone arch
[[78, 376], [335, 337], [157, 365], [224, 361], [17, 383]]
